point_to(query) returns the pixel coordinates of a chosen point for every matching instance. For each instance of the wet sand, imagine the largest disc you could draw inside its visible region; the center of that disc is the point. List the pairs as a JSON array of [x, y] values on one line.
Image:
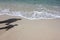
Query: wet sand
[[31, 29]]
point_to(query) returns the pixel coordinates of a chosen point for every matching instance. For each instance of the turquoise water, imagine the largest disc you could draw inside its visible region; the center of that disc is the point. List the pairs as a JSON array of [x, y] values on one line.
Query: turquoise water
[[49, 2]]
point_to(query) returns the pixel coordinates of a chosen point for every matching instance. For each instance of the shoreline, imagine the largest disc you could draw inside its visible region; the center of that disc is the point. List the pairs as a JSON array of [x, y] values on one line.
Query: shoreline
[[30, 11]]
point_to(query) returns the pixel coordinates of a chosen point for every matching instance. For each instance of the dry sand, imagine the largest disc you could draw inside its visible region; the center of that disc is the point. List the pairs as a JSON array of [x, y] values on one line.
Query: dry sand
[[31, 29]]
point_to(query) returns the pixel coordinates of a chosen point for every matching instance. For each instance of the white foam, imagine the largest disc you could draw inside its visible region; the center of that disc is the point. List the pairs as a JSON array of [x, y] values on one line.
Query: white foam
[[33, 16]]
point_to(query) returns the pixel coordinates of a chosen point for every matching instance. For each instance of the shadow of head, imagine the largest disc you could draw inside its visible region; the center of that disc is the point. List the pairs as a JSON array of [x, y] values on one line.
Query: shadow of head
[[14, 19]]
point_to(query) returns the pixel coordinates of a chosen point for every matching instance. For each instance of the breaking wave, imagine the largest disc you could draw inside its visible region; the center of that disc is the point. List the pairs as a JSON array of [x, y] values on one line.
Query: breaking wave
[[31, 15]]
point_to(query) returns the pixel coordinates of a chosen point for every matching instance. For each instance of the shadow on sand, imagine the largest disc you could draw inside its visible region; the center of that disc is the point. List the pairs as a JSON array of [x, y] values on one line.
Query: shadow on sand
[[8, 27], [8, 23]]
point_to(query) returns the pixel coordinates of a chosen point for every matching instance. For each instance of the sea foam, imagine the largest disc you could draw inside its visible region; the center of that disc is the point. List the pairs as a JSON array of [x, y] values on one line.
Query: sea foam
[[30, 15]]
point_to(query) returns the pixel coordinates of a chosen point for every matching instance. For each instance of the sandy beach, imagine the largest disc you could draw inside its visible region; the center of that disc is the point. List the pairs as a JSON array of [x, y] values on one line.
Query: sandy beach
[[19, 26], [31, 29]]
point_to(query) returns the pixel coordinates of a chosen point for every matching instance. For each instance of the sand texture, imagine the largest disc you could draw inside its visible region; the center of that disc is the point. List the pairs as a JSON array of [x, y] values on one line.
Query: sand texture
[[31, 29]]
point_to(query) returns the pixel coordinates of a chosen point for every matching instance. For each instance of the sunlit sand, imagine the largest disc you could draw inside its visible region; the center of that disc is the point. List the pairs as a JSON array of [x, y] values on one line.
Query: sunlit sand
[[31, 29]]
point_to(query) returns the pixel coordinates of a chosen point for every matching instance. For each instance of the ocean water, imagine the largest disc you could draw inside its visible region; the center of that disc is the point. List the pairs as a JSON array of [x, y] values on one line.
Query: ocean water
[[50, 2], [31, 9]]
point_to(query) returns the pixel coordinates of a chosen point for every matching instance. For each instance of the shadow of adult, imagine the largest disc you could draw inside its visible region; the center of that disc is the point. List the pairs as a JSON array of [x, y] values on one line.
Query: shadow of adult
[[8, 21], [8, 27]]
